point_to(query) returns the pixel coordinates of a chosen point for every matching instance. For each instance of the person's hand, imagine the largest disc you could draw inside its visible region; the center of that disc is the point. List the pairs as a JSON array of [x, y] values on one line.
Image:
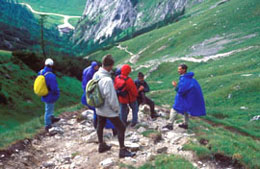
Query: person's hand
[[141, 88], [174, 83]]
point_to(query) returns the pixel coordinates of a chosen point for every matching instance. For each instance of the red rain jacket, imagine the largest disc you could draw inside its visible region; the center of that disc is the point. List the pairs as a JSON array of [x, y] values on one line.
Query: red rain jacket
[[130, 86]]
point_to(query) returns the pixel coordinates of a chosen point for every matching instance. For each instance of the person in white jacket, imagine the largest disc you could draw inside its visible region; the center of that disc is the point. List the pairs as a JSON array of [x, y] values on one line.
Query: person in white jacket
[[110, 109]]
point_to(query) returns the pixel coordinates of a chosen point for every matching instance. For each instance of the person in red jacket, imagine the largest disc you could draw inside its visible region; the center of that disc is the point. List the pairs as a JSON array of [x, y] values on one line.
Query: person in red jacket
[[127, 95]]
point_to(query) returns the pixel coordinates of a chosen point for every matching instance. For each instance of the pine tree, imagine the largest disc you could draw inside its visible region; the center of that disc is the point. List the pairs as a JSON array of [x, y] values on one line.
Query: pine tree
[[42, 22]]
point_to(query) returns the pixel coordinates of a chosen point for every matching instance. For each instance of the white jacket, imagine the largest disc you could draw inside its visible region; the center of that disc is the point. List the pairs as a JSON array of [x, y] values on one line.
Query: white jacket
[[106, 86]]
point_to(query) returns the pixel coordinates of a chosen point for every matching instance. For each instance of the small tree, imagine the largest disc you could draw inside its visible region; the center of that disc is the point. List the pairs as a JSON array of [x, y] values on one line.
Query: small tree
[[42, 21]]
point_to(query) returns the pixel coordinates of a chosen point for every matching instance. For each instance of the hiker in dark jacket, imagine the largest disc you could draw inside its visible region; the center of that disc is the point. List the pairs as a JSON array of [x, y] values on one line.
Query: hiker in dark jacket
[[143, 88], [110, 108], [188, 100], [87, 75], [124, 84], [52, 96]]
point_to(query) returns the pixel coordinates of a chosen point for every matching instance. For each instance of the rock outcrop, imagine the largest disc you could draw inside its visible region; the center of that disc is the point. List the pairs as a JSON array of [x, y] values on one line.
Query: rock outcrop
[[104, 18]]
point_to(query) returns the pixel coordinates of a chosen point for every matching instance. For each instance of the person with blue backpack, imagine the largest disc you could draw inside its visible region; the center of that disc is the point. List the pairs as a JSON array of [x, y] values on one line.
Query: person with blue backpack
[[188, 100], [52, 96], [87, 75]]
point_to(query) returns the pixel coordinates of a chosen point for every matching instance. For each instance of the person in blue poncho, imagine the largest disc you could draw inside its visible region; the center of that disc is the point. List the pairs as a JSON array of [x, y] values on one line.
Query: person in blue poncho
[[87, 75], [188, 100], [52, 96]]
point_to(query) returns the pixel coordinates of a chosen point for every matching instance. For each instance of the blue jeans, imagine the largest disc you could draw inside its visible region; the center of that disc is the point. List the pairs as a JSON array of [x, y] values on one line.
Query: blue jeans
[[124, 112], [49, 110]]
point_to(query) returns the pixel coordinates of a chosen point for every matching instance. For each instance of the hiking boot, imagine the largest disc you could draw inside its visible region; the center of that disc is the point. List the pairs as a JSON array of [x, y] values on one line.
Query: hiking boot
[[125, 153], [168, 126], [155, 115], [114, 132], [47, 128], [184, 126], [54, 119], [103, 147]]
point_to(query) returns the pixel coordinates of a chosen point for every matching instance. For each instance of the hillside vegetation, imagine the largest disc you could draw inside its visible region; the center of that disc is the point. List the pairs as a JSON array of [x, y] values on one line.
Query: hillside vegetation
[[219, 40], [21, 30], [71, 7], [18, 102]]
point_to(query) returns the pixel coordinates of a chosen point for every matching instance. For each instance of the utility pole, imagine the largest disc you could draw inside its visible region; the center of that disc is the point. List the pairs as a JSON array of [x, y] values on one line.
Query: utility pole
[[42, 22]]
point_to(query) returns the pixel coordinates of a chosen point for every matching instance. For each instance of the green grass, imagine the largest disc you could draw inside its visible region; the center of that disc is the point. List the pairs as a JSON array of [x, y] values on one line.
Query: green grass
[[148, 132], [221, 141], [162, 162], [168, 162], [72, 7], [118, 55]]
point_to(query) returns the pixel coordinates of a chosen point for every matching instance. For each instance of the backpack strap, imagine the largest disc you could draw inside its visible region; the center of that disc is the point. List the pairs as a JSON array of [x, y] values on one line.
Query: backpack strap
[[123, 78], [45, 74]]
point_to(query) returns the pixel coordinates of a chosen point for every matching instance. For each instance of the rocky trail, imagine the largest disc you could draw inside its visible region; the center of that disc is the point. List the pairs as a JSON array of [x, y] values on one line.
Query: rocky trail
[[72, 143]]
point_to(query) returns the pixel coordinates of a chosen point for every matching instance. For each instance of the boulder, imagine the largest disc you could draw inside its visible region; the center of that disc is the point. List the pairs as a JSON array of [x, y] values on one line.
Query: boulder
[[162, 150], [91, 138], [48, 164], [107, 162], [56, 130]]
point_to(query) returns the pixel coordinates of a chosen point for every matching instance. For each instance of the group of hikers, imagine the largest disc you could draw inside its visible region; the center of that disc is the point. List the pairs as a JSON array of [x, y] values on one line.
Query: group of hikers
[[120, 92]]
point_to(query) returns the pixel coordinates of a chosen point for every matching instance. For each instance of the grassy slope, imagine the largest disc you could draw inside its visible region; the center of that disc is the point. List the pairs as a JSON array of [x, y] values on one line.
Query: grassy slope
[[65, 7], [233, 20], [22, 104]]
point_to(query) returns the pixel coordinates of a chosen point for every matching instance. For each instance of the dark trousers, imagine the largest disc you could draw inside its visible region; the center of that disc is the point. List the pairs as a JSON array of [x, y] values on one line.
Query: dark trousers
[[120, 127], [142, 99]]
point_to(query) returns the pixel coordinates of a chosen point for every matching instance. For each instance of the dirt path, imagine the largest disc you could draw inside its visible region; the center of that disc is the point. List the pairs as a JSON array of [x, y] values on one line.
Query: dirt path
[[66, 17], [74, 145]]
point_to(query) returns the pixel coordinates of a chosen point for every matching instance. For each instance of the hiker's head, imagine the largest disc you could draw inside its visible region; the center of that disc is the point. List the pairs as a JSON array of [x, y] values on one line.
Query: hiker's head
[[141, 77], [182, 69], [94, 65], [49, 62], [108, 62], [125, 70]]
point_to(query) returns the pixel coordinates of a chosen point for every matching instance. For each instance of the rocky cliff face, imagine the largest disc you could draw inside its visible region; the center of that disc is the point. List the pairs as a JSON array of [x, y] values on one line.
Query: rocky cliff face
[[104, 18]]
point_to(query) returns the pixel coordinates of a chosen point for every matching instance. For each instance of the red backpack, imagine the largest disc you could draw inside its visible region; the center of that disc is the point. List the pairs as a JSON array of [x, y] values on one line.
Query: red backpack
[[120, 86]]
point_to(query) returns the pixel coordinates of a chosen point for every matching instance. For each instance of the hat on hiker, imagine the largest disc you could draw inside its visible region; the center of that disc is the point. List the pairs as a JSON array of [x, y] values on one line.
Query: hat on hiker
[[49, 62]]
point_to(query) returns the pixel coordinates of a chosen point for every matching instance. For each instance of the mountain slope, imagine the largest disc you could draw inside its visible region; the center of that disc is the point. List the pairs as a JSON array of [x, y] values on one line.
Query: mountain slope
[[219, 40], [113, 20]]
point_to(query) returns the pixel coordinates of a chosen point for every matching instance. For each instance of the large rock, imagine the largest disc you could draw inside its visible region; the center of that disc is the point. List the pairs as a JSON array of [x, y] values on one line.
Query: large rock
[[87, 115], [162, 150], [132, 146], [107, 162], [48, 164], [56, 130], [91, 138]]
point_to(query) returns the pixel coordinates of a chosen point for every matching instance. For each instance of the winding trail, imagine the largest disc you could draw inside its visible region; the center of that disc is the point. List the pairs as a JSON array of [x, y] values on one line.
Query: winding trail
[[66, 17]]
